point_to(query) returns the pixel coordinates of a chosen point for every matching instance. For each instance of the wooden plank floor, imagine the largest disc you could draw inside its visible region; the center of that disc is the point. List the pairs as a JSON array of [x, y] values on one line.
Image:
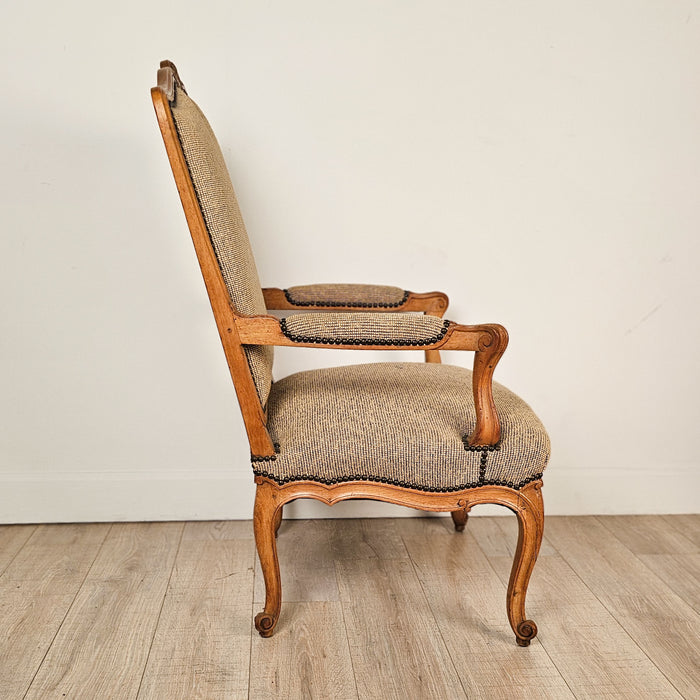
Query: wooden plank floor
[[401, 608]]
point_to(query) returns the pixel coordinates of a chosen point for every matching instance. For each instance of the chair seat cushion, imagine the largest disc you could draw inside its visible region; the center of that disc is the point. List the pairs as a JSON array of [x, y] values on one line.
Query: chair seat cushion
[[400, 423]]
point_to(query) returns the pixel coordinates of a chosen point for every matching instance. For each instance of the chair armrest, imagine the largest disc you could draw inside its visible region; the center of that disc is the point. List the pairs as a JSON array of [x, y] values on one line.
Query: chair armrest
[[368, 297], [353, 329], [365, 331]]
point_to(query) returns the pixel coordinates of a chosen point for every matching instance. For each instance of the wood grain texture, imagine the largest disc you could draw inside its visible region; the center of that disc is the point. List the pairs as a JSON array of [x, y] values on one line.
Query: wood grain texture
[[376, 538], [55, 556], [648, 534], [498, 536], [201, 647], [664, 626], [680, 572], [36, 591], [609, 624], [526, 503], [592, 651], [12, 539], [396, 647], [466, 599], [308, 657], [687, 524], [306, 562], [204, 531], [101, 649]]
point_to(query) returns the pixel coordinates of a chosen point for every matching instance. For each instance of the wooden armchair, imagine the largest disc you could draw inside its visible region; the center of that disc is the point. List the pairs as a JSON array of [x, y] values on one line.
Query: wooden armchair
[[424, 435]]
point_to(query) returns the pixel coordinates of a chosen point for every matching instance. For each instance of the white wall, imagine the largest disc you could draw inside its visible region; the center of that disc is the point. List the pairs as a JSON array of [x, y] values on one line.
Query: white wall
[[540, 162]]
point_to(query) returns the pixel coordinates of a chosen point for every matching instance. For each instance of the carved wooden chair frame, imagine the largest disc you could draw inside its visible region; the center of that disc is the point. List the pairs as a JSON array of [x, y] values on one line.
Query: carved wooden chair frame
[[488, 342]]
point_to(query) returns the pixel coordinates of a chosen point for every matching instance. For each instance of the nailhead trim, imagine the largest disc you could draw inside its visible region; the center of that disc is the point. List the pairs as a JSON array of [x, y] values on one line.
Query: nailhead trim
[[266, 458], [348, 304], [484, 449], [362, 341], [393, 482]]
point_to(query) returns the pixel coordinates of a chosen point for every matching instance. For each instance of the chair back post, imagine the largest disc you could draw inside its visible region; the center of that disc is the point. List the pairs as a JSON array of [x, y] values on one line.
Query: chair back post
[[253, 414]]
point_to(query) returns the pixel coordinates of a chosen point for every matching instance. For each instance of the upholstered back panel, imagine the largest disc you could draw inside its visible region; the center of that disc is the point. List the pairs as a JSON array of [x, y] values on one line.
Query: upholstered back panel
[[227, 231]]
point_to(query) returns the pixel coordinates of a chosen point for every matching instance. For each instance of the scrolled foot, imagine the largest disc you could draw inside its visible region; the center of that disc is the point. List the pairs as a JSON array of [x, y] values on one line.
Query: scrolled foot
[[265, 624], [527, 631]]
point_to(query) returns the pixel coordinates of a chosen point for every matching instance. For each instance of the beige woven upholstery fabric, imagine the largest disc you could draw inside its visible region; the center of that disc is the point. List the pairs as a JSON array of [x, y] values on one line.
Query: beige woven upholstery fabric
[[225, 225], [364, 328], [401, 423], [345, 295]]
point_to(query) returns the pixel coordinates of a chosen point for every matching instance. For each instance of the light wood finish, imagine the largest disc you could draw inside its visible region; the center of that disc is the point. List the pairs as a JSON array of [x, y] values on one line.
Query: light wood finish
[[487, 341], [688, 525], [592, 651], [664, 626], [12, 539], [668, 545], [378, 538], [499, 537], [102, 646], [526, 503], [408, 660], [635, 533], [426, 586], [307, 658], [306, 558], [202, 645], [37, 590], [680, 572], [465, 594]]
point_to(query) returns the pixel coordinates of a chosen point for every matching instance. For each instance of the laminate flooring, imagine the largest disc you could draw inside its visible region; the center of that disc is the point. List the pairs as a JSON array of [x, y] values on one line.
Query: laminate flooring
[[394, 608]]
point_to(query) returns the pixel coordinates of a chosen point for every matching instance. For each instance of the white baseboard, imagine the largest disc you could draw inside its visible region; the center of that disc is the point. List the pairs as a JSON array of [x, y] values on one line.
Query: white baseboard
[[217, 495]]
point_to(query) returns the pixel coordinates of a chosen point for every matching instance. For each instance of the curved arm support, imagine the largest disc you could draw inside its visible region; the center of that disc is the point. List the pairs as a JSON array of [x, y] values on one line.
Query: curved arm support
[[489, 341], [492, 345]]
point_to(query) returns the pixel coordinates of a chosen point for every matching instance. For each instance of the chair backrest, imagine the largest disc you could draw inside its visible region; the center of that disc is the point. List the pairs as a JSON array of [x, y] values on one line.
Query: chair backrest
[[218, 208]]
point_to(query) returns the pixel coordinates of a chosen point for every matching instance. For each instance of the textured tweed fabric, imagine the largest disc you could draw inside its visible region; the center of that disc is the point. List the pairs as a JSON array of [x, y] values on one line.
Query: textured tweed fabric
[[402, 423], [225, 225], [364, 328], [345, 295]]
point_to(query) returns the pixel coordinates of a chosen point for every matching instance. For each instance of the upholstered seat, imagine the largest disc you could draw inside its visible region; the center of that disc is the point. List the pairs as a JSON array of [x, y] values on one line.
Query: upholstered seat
[[428, 436], [399, 423]]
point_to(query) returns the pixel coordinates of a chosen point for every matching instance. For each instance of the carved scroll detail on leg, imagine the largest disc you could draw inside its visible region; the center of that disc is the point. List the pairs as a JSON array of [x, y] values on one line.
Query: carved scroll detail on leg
[[266, 517], [460, 517], [530, 514]]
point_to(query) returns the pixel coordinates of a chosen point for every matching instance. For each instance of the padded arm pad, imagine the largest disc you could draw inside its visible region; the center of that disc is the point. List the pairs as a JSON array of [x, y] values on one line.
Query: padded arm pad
[[394, 329], [347, 295]]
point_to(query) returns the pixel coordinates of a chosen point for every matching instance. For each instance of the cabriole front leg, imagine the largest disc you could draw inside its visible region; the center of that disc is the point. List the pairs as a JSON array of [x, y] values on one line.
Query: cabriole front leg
[[266, 518], [530, 512]]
